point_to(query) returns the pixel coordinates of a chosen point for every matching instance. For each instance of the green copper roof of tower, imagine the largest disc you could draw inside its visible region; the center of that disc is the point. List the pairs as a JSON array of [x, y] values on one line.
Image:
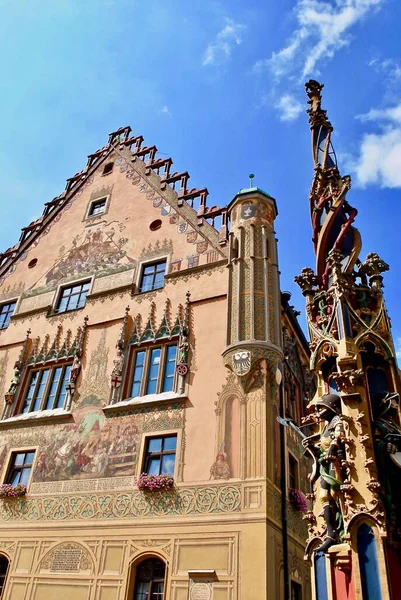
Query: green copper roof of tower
[[253, 190]]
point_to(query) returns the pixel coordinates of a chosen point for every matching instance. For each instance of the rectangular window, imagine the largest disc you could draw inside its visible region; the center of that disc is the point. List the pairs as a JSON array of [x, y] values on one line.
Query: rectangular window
[[20, 467], [292, 472], [160, 455], [97, 207], [73, 297], [46, 389], [6, 312], [153, 370], [296, 591], [153, 276]]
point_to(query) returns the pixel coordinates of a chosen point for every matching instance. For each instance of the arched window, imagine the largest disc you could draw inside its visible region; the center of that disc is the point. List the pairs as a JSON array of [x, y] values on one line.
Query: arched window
[[149, 580], [3, 573]]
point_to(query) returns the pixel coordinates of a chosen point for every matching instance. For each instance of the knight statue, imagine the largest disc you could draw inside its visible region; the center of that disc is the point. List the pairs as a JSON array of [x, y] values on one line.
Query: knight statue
[[387, 438], [329, 452]]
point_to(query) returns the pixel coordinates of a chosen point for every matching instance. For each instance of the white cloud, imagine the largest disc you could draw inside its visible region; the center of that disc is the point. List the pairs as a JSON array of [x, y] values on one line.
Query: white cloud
[[389, 66], [165, 111], [289, 108], [323, 28], [219, 51], [397, 345], [379, 160]]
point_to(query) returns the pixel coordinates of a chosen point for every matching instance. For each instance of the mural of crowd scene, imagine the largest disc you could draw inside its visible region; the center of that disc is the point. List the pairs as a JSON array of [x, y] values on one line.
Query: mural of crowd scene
[[99, 250], [93, 445]]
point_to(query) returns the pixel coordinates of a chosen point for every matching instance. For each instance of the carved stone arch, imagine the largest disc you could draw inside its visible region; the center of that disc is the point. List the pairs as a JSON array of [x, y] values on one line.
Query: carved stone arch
[[7, 549], [325, 349], [136, 558], [377, 341], [140, 554], [311, 546], [364, 518], [67, 557]]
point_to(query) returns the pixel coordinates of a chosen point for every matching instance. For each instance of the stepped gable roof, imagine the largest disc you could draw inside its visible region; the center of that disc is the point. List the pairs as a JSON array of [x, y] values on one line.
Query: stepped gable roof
[[130, 148]]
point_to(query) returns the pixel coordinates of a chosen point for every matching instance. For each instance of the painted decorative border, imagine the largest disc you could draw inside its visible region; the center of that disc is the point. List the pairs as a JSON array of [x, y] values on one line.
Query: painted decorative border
[[183, 501]]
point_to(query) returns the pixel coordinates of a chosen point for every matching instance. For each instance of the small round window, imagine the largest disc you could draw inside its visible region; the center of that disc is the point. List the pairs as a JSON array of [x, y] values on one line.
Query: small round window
[[32, 263], [155, 225]]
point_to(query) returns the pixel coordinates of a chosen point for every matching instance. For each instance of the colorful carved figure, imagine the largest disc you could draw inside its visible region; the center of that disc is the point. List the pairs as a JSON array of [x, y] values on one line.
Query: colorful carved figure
[[387, 436], [329, 453]]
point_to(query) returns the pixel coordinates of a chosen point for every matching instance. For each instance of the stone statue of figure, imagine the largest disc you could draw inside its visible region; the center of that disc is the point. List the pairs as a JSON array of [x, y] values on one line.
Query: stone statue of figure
[[329, 453], [183, 351], [387, 440], [9, 397], [75, 369]]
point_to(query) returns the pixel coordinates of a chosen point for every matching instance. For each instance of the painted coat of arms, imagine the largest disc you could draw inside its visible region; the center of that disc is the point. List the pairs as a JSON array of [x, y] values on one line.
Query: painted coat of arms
[[241, 362]]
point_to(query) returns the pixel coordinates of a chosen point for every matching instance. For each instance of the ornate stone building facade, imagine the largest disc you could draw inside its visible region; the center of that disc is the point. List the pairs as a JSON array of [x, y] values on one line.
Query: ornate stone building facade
[[146, 353], [355, 526]]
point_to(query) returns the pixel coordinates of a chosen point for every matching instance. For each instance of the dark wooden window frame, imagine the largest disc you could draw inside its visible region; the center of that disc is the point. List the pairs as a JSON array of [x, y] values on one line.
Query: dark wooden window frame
[[147, 265], [51, 367], [99, 201], [7, 309], [3, 572], [147, 456], [108, 168], [296, 590], [293, 477], [80, 294], [152, 579], [13, 468], [147, 348]]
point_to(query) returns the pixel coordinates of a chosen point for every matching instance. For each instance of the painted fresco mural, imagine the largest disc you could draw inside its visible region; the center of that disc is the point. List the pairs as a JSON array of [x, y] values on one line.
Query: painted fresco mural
[[101, 249], [92, 445]]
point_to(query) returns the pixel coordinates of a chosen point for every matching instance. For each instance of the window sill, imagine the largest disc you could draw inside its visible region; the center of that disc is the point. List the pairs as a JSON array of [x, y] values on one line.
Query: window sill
[[54, 313], [149, 400], [46, 416]]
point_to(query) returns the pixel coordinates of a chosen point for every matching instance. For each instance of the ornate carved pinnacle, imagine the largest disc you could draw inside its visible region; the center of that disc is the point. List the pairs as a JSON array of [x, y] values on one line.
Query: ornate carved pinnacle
[[348, 379], [121, 339], [307, 281], [374, 265]]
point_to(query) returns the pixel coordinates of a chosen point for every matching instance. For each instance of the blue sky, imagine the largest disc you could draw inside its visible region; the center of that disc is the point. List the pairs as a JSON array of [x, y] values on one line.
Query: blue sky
[[218, 86]]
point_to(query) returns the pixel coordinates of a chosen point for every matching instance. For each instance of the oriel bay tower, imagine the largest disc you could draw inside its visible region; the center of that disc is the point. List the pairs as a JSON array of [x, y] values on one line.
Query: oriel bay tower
[[146, 352]]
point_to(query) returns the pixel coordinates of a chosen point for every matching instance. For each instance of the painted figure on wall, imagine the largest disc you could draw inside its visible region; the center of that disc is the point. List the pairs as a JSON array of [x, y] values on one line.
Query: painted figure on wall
[[99, 249], [387, 438], [220, 468], [91, 251], [92, 446], [329, 453]]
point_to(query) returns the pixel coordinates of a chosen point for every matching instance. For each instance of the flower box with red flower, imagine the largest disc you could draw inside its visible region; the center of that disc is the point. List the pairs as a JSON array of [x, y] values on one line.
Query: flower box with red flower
[[298, 500], [154, 483], [12, 491]]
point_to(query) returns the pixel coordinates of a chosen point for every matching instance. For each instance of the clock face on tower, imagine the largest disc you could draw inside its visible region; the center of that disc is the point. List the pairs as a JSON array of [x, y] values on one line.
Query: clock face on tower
[[248, 211]]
